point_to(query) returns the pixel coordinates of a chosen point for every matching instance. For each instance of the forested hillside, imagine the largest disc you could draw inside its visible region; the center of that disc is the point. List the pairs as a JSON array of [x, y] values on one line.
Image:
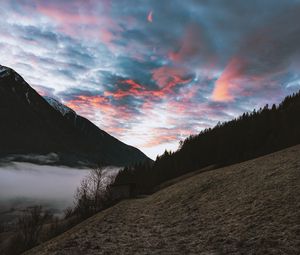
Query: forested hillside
[[251, 135]]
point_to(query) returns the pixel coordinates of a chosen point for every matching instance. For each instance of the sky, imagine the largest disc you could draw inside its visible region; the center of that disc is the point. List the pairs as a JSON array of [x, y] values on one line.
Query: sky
[[153, 72]]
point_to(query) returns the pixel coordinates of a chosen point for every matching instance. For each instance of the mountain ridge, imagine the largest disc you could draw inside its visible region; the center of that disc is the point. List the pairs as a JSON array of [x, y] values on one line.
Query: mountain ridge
[[31, 125]]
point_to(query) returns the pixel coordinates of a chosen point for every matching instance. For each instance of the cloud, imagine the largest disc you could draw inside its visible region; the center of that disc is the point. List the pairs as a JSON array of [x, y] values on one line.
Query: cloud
[[149, 72], [194, 48], [150, 17], [167, 77], [265, 55]]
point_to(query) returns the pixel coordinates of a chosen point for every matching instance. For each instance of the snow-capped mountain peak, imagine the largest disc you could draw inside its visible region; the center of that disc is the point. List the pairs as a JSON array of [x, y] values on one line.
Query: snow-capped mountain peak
[[63, 109]]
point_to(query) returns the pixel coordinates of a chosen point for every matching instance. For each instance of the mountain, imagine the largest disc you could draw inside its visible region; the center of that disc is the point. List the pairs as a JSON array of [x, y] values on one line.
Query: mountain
[[32, 127], [246, 208]]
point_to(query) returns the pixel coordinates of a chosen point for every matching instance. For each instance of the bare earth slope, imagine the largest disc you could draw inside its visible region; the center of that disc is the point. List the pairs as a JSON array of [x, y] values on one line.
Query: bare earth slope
[[247, 208]]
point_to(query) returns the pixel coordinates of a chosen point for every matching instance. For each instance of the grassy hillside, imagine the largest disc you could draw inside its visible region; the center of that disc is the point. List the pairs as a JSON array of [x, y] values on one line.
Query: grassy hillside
[[247, 208]]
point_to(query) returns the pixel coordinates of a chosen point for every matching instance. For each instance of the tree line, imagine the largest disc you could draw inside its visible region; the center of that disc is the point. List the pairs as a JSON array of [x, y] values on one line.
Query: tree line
[[251, 135]]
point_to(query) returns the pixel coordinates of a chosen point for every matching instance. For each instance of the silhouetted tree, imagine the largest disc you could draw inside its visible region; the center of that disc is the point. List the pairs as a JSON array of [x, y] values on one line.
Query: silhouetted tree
[[92, 194]]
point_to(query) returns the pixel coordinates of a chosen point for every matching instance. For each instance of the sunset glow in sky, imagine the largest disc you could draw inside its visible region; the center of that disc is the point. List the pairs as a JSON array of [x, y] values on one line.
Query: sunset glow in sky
[[152, 72]]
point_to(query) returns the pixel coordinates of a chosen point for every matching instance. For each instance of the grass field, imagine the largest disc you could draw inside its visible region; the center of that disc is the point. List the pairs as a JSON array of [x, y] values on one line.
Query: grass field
[[247, 208]]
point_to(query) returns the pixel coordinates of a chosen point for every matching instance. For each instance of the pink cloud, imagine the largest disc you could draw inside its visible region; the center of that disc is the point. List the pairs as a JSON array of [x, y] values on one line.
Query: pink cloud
[[77, 23], [166, 136], [150, 17], [227, 82], [168, 77], [111, 115]]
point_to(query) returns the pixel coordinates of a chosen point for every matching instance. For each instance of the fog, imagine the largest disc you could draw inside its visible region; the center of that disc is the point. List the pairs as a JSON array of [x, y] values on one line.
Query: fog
[[26, 184]]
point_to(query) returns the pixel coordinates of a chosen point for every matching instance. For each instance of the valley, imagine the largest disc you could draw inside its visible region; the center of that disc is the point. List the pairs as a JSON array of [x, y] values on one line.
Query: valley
[[247, 208]]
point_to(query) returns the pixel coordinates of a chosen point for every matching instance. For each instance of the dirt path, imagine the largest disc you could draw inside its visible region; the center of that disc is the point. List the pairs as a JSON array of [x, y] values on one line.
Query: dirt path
[[247, 208]]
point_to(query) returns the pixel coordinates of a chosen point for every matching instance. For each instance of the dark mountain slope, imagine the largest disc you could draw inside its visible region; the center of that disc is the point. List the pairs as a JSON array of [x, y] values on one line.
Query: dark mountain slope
[[30, 125]]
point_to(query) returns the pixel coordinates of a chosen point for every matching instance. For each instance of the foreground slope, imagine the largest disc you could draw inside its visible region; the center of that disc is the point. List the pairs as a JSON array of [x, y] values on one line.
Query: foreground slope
[[247, 208], [29, 124]]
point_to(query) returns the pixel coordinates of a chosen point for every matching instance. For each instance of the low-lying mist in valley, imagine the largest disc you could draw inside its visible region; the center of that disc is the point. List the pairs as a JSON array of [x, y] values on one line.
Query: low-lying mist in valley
[[53, 187]]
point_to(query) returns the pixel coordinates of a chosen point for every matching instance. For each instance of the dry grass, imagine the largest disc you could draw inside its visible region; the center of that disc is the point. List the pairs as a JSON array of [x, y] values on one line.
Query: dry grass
[[247, 208]]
